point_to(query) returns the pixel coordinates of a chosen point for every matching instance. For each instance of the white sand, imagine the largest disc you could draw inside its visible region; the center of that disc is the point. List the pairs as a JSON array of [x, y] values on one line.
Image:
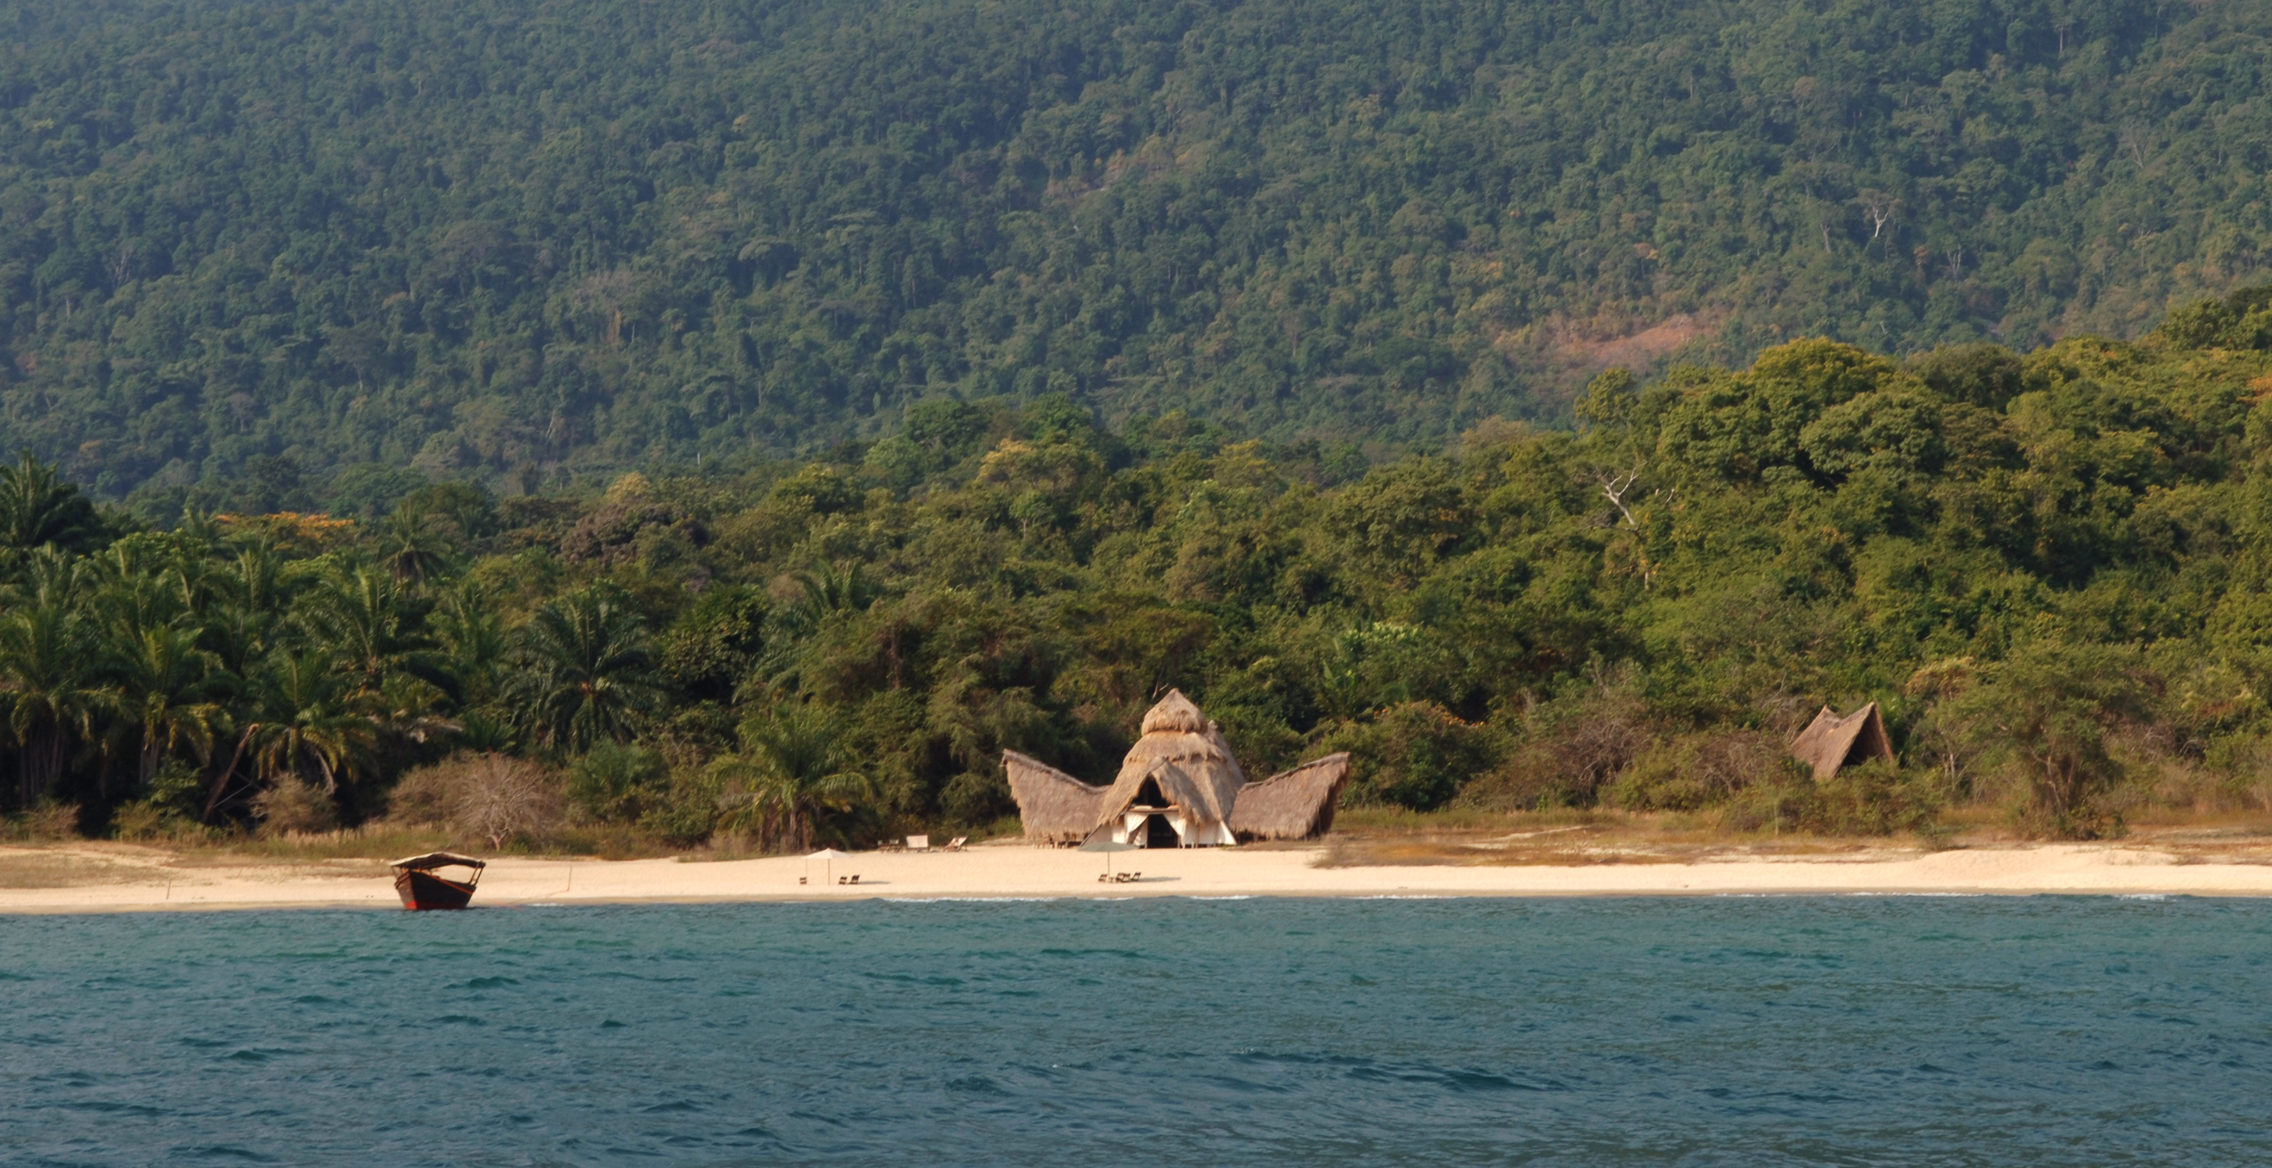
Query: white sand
[[130, 879]]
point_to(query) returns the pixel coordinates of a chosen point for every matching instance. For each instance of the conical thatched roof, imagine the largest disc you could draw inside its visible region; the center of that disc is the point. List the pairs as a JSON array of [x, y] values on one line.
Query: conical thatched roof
[[1184, 754], [1830, 742], [1178, 735]]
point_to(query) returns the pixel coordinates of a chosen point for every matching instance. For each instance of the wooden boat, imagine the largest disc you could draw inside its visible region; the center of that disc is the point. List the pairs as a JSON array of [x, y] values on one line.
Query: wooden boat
[[421, 889]]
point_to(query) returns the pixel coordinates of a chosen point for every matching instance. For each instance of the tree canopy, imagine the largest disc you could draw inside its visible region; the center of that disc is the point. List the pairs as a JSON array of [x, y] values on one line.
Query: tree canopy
[[2048, 568], [300, 246]]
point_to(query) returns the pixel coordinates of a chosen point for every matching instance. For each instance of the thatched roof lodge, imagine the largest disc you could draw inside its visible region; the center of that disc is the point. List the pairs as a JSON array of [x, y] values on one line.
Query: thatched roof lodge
[[1178, 787], [1831, 743]]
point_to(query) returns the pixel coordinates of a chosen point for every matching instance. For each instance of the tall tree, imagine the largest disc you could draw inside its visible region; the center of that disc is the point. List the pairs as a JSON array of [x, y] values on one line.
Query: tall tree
[[585, 671], [38, 509]]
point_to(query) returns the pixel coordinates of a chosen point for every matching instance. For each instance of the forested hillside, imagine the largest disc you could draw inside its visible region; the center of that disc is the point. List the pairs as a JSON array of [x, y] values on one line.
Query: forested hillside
[[284, 239], [2051, 569]]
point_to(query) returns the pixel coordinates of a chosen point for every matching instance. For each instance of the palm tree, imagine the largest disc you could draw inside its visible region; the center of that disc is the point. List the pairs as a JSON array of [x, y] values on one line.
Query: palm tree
[[167, 685], [372, 629], [38, 509], [825, 588], [310, 726], [50, 689], [239, 604], [791, 769], [472, 634], [416, 543], [585, 672]]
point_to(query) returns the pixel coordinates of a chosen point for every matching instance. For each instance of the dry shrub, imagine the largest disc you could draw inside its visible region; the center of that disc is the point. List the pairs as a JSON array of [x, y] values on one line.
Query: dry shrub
[[492, 797], [142, 821], [292, 806], [44, 822]]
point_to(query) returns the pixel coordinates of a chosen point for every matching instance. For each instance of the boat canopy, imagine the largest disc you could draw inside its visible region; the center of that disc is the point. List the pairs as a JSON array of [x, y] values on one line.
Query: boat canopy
[[433, 860]]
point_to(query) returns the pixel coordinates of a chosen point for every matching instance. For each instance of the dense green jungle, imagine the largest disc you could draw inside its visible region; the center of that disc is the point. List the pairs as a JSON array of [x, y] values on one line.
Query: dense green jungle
[[532, 247], [2050, 568]]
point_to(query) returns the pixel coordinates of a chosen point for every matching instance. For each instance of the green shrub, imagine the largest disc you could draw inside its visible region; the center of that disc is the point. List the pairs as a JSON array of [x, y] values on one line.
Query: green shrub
[[686, 813], [1699, 770], [1413, 754], [617, 783]]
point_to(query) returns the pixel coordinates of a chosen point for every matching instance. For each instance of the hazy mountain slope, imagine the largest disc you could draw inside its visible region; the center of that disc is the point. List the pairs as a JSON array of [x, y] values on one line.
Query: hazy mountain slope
[[510, 239]]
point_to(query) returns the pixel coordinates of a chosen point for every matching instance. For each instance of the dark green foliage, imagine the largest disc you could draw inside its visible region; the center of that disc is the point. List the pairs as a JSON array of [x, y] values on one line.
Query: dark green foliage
[[291, 254], [39, 510], [616, 783], [586, 671], [2049, 568]]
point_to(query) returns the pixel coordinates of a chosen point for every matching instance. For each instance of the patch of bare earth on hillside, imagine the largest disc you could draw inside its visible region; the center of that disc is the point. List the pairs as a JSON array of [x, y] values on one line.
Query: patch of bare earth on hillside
[[1588, 345]]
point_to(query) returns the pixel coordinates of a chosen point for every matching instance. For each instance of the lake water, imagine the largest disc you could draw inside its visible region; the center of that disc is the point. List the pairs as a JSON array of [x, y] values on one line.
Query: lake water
[[1816, 1031]]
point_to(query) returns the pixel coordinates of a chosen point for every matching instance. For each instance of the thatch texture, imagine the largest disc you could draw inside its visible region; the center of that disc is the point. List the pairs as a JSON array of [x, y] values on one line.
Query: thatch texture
[[1184, 754], [1297, 804], [1056, 807], [1830, 742], [1178, 737]]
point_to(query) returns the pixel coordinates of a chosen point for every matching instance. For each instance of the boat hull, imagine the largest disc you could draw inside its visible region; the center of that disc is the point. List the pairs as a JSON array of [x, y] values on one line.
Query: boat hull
[[424, 891]]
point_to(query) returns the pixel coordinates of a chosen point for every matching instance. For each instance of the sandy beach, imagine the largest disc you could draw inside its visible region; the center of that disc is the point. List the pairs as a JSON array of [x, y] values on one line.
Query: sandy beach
[[111, 878]]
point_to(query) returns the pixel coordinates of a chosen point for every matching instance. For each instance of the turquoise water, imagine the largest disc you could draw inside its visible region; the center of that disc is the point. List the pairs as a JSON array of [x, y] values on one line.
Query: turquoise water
[[1818, 1031]]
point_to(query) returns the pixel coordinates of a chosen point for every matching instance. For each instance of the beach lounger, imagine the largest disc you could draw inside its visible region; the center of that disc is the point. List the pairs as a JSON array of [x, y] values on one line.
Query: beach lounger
[[855, 878], [955, 844]]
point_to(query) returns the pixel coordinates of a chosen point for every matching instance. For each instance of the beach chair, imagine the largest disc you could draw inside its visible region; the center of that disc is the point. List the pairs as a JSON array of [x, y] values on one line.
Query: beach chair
[[919, 843], [844, 880], [955, 844], [801, 879], [855, 878]]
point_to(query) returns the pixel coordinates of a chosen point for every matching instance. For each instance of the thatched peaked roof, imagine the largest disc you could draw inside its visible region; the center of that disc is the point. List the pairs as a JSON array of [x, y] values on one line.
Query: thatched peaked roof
[[1177, 734], [1296, 804], [1831, 742], [1056, 807], [1179, 786], [1184, 753]]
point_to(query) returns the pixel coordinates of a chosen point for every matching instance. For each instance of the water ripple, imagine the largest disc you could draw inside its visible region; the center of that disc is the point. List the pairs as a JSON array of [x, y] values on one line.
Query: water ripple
[[1771, 1031]]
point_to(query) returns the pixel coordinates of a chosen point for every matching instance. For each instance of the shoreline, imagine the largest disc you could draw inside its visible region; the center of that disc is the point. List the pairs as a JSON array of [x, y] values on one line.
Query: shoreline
[[86, 878]]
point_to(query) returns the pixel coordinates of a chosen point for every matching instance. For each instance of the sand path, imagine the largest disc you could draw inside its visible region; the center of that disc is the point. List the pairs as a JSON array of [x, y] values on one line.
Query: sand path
[[96, 879]]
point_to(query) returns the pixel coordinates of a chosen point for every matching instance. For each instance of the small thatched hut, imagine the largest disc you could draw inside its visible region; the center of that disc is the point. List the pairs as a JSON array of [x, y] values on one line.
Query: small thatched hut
[[1178, 787], [1831, 743]]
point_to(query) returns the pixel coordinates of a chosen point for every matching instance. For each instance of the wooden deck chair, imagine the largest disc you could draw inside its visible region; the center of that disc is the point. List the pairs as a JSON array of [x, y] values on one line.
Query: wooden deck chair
[[955, 844]]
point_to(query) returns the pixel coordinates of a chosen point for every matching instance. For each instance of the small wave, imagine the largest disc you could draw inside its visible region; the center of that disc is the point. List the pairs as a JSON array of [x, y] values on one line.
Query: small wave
[[1909, 895], [975, 899]]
